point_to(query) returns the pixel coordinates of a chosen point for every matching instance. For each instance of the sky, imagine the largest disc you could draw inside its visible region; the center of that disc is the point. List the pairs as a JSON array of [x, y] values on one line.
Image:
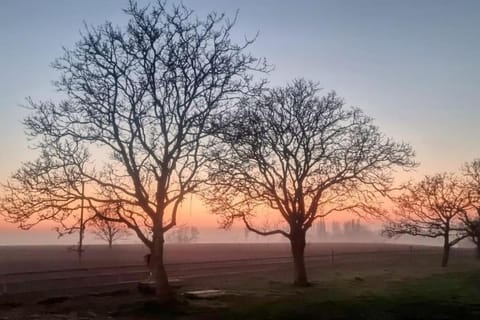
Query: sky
[[411, 65]]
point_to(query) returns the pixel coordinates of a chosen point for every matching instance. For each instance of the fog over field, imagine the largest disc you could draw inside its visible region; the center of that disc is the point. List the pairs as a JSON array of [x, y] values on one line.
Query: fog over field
[[23, 259], [206, 235]]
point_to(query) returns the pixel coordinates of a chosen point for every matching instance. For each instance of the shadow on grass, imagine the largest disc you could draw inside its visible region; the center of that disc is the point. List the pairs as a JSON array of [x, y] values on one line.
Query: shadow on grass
[[151, 309], [375, 308]]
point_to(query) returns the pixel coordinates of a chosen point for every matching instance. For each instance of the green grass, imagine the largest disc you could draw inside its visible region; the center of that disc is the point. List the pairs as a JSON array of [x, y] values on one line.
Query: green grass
[[441, 296], [446, 296]]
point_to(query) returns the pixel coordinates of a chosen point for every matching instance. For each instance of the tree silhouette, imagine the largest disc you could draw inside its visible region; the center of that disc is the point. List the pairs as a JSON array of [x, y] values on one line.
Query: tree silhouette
[[50, 188], [471, 216], [301, 156], [106, 229], [133, 125], [431, 208]]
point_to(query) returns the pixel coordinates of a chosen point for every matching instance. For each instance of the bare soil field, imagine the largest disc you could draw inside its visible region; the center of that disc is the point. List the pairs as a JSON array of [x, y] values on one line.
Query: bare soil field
[[43, 258], [248, 272]]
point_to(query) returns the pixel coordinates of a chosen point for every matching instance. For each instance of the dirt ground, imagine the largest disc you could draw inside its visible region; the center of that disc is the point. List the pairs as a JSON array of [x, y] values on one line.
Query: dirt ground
[[40, 258], [377, 269]]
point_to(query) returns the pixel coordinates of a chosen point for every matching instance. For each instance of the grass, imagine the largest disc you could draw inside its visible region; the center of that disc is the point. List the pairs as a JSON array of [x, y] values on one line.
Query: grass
[[447, 296], [389, 288], [441, 296]]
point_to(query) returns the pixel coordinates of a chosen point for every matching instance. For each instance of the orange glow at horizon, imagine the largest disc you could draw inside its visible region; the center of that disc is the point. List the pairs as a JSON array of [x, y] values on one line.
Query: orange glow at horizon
[[193, 212]]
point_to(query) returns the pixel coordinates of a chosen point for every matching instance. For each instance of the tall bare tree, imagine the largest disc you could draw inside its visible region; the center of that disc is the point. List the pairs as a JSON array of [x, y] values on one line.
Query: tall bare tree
[[431, 208], [104, 228], [133, 123], [301, 156]]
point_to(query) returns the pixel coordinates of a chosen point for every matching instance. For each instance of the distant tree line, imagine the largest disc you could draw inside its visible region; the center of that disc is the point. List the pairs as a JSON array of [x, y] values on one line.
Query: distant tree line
[[183, 234], [353, 229]]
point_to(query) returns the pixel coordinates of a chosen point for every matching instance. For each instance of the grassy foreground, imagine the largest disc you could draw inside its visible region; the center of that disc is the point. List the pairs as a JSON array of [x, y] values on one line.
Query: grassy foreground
[[444, 296], [440, 296]]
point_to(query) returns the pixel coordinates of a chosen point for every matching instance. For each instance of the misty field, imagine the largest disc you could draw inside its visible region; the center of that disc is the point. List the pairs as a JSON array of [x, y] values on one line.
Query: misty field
[[47, 282], [44, 258]]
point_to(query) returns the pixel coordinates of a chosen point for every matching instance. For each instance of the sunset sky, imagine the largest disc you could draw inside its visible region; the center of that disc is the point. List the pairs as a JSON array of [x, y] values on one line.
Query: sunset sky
[[411, 65]]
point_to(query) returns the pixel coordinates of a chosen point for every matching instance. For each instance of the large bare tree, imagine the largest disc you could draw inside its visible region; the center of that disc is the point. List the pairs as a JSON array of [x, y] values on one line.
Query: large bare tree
[[300, 156], [431, 208], [133, 125]]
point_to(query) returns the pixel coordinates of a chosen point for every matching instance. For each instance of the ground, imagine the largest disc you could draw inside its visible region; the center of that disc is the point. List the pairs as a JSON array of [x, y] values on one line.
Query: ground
[[387, 284]]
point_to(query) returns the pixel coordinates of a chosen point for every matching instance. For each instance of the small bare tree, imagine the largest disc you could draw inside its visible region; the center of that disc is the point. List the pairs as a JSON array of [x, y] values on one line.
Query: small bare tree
[[431, 208], [471, 217], [134, 123], [301, 157], [50, 188], [105, 228], [472, 228]]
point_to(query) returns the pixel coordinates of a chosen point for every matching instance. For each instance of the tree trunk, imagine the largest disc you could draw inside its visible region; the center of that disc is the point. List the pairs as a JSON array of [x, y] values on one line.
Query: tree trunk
[[297, 242], [163, 290], [110, 243], [475, 237], [446, 251]]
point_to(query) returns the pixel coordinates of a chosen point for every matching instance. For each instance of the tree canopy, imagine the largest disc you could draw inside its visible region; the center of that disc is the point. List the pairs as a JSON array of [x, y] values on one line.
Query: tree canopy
[[133, 124], [301, 155], [431, 208]]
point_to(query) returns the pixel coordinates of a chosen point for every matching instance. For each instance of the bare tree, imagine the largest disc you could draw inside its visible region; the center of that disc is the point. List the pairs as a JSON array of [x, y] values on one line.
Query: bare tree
[[472, 228], [106, 228], [133, 123], [49, 188], [431, 208], [471, 216], [301, 157]]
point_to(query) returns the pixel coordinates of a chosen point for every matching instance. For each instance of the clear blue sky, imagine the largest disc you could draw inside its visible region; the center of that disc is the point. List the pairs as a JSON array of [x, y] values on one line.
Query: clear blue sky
[[412, 65]]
